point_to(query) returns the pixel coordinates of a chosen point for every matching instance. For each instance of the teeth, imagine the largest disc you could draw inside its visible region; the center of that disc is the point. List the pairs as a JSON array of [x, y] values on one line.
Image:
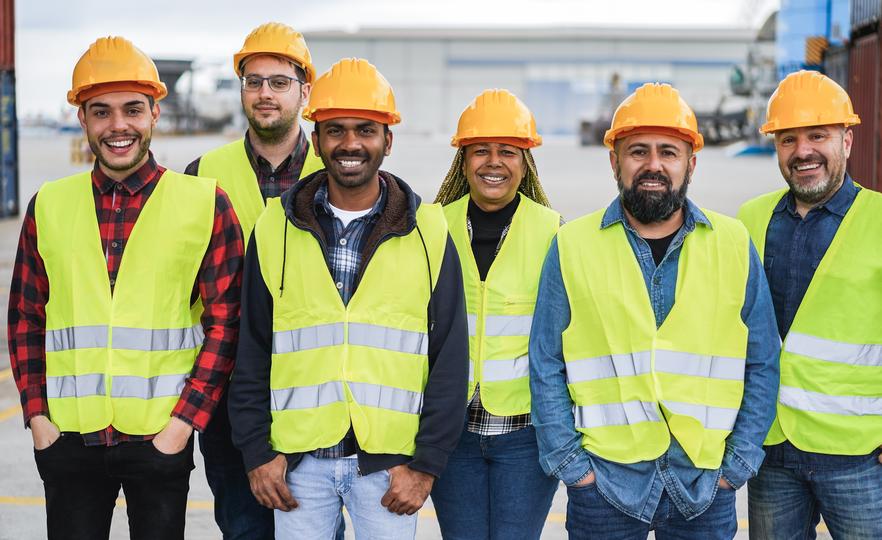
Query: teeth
[[493, 178], [120, 144], [807, 166], [348, 163]]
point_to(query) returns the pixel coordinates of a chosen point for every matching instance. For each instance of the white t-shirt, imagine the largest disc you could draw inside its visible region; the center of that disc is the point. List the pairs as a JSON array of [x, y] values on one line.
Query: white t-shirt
[[347, 216]]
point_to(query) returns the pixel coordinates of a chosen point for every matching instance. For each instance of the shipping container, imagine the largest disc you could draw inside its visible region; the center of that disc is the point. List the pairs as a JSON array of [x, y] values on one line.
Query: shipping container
[[8, 146], [7, 35], [865, 13], [836, 64], [864, 88]]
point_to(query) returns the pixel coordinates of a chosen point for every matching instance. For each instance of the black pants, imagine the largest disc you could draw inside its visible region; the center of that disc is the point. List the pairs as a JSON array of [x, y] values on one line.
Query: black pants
[[82, 484]]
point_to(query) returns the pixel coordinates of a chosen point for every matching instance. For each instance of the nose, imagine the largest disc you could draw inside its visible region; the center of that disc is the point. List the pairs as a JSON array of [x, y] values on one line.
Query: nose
[[654, 163], [494, 158], [264, 89], [118, 121], [803, 148], [350, 141]]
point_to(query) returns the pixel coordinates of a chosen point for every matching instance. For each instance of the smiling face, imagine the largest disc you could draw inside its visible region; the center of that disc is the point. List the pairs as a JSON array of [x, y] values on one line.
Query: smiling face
[[272, 115], [653, 173], [352, 149], [494, 172], [812, 160], [119, 127]]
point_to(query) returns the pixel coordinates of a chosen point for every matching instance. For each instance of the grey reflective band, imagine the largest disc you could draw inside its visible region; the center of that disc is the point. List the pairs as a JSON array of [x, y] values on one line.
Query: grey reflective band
[[855, 354], [129, 386], [75, 386], [387, 397], [709, 417], [166, 339], [134, 339], [507, 325], [76, 337], [392, 339], [804, 400], [505, 370], [307, 397], [310, 337], [615, 414], [696, 365], [607, 367], [473, 323], [471, 370]]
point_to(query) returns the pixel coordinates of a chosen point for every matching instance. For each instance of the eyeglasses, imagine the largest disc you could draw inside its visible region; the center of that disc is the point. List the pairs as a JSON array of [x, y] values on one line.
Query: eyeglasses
[[277, 83]]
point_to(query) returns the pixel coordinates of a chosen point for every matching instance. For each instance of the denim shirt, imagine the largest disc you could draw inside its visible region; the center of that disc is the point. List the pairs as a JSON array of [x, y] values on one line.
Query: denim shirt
[[636, 488], [796, 245]]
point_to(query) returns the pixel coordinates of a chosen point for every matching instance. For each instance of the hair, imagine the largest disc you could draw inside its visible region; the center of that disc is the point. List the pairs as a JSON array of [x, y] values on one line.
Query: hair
[[298, 70], [455, 184]]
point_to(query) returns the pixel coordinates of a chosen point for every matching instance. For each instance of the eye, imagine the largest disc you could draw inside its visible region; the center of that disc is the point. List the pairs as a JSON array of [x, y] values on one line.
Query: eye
[[480, 152], [508, 153], [99, 113], [786, 140], [279, 83], [253, 83], [134, 112], [818, 137], [368, 130]]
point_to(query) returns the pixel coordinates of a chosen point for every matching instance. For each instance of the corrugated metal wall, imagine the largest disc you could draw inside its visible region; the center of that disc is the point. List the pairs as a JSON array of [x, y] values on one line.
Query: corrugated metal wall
[[865, 13], [8, 120], [864, 89]]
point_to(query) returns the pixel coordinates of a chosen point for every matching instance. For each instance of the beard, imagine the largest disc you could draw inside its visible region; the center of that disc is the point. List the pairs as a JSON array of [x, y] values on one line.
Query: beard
[[143, 142], [652, 206], [272, 132], [822, 189]]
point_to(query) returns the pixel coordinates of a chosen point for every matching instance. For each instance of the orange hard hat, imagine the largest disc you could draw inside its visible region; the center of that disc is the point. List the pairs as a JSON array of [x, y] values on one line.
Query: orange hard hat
[[655, 107], [808, 98], [113, 64], [352, 88], [279, 40], [499, 116]]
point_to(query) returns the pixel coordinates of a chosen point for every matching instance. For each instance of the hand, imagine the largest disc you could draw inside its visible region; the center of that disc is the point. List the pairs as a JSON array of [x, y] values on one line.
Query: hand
[[724, 484], [44, 432], [408, 490], [269, 487], [587, 481], [173, 438]]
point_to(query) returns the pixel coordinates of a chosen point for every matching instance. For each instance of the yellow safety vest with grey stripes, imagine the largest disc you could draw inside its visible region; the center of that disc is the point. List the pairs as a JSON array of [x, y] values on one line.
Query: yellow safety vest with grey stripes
[[235, 175], [830, 399], [122, 359], [500, 309], [363, 364], [634, 385]]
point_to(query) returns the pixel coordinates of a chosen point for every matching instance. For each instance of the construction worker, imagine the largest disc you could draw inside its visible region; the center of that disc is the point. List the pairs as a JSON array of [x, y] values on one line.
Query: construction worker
[[819, 242], [275, 69], [500, 222], [653, 354], [349, 386], [117, 371]]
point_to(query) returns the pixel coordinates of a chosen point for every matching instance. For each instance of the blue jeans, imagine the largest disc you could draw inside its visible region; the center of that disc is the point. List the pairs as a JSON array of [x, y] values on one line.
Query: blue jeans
[[493, 487], [591, 516], [236, 512], [323, 486], [794, 489]]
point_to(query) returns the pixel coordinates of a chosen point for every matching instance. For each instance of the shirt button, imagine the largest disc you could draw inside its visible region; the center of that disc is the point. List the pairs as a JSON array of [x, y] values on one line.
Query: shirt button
[[117, 210], [118, 187], [342, 241], [272, 179], [114, 244], [339, 284], [112, 281]]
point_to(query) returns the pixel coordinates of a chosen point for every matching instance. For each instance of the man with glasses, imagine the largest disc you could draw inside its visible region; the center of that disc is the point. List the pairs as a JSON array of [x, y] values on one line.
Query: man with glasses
[[275, 69]]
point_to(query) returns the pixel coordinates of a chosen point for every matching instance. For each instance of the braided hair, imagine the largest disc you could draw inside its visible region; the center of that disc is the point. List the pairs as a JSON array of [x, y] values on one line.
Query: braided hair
[[455, 184]]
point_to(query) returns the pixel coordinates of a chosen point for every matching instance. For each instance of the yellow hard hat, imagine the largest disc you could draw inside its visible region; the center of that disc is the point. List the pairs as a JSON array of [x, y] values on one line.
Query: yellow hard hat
[[499, 116], [808, 98], [276, 39], [352, 88], [113, 64], [658, 108]]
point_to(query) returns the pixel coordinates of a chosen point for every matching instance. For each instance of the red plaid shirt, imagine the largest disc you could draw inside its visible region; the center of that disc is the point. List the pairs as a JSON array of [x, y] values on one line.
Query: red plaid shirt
[[219, 282]]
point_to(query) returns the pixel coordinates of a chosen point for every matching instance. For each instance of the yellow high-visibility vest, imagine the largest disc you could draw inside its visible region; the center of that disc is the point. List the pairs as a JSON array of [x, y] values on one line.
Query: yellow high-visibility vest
[[363, 364], [634, 385], [230, 165], [122, 359], [500, 309], [830, 400]]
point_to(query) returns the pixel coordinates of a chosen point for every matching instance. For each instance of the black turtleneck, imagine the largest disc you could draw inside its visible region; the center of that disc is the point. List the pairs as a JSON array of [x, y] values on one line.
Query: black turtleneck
[[487, 230]]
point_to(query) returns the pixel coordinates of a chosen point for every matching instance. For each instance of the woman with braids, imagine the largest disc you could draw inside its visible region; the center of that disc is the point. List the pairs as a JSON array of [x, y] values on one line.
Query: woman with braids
[[499, 219]]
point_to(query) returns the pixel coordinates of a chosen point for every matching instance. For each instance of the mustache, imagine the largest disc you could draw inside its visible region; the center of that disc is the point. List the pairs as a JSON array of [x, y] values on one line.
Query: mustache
[[814, 158], [342, 154], [653, 177], [265, 103]]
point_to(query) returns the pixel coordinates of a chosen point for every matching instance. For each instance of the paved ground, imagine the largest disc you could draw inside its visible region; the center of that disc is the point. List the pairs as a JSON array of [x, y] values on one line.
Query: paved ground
[[578, 180]]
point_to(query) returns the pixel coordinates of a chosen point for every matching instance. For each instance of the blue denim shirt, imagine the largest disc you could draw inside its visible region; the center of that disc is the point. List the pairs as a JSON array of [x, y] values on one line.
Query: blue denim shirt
[[636, 488], [796, 245]]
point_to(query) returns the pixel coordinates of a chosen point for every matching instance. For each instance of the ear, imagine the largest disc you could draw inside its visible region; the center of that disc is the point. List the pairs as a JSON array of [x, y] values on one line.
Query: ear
[[81, 116], [305, 89], [692, 161], [613, 161], [388, 150], [315, 143], [155, 112], [847, 140]]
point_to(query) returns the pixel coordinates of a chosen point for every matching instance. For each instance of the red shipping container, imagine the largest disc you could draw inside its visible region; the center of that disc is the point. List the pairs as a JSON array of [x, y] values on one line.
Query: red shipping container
[[7, 35], [864, 88]]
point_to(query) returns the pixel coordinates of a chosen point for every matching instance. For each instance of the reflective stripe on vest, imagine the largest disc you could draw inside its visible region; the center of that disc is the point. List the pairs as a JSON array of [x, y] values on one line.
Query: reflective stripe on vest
[[500, 308], [362, 365], [634, 384], [122, 359], [830, 400]]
